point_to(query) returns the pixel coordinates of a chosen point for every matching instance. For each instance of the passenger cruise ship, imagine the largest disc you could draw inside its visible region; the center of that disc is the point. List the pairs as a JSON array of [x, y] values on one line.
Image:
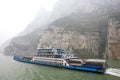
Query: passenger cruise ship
[[59, 57]]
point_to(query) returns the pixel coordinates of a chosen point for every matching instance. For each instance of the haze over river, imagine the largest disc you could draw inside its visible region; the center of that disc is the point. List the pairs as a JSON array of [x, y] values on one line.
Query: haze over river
[[13, 70]]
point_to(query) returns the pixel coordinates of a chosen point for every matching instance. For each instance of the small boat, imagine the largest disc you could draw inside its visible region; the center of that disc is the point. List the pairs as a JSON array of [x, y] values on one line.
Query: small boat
[[59, 57]]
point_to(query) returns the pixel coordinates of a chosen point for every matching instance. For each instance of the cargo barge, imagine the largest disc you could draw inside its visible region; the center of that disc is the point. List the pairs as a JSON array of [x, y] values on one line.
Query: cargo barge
[[58, 57]]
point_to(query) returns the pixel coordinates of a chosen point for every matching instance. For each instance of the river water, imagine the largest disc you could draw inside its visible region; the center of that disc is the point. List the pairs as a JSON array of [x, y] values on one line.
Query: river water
[[13, 70]]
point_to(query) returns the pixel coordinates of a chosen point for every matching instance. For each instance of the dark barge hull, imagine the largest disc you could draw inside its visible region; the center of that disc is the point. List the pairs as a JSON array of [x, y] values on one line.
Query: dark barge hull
[[67, 67]]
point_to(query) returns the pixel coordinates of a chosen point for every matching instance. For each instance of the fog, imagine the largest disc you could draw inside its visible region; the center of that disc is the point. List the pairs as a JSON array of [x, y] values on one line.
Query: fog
[[15, 15]]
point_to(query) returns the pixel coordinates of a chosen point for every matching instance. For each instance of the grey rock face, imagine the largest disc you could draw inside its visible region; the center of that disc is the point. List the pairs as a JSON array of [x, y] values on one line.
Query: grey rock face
[[113, 39], [85, 44], [88, 20], [89, 28]]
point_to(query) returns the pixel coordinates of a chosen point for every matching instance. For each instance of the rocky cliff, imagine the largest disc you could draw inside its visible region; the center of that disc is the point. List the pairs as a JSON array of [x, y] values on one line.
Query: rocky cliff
[[83, 28], [24, 45], [84, 43], [113, 38], [89, 28]]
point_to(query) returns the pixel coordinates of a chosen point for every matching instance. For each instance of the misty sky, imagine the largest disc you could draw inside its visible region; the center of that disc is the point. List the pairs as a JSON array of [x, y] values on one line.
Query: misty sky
[[15, 15]]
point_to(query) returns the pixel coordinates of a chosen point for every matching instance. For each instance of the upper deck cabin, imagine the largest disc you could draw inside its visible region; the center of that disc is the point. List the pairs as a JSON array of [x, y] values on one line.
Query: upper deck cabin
[[55, 52]]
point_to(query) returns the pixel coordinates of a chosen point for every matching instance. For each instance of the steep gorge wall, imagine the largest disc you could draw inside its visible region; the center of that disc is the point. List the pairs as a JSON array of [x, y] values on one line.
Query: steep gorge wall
[[85, 44], [113, 39], [24, 45], [84, 27], [89, 28]]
